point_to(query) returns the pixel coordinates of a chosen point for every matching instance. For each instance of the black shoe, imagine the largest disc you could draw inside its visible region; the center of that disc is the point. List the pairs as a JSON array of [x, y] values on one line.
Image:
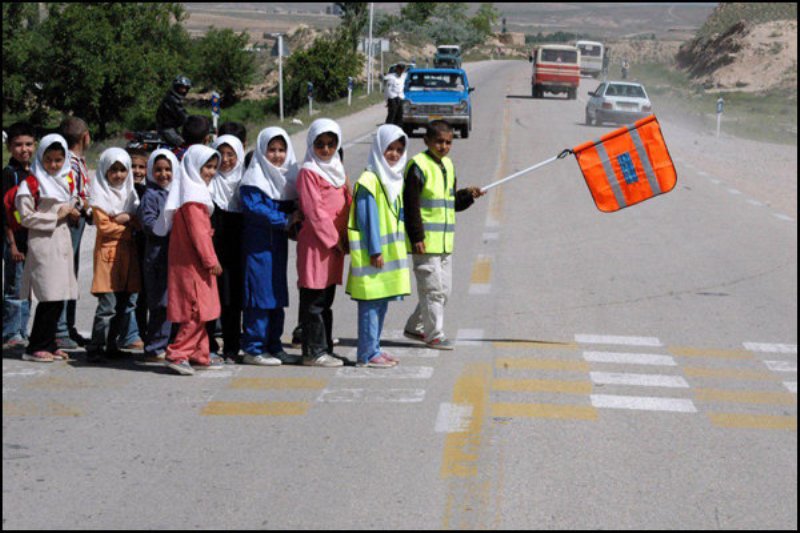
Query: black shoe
[[287, 358], [78, 338]]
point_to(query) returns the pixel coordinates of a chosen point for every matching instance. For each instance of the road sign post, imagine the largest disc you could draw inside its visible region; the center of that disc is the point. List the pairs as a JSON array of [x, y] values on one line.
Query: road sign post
[[720, 105], [215, 109], [310, 97], [349, 90]]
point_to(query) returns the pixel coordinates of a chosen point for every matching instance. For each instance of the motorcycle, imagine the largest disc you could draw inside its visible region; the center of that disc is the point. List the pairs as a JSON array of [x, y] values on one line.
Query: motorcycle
[[148, 140]]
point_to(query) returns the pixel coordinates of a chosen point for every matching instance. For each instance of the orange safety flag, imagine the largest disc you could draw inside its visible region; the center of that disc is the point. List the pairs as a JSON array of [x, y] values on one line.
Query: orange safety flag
[[627, 166]]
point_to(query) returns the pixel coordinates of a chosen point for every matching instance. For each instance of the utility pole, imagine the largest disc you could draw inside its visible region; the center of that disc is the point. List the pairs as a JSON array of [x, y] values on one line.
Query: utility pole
[[369, 54]]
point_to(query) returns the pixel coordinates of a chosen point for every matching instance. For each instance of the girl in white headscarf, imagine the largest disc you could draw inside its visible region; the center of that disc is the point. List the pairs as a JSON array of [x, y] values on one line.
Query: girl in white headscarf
[[322, 241], [192, 296], [116, 264], [49, 272], [378, 261], [269, 204], [227, 224]]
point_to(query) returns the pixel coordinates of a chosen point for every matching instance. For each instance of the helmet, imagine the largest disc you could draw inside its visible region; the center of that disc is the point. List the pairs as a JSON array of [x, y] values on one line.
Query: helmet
[[182, 80]]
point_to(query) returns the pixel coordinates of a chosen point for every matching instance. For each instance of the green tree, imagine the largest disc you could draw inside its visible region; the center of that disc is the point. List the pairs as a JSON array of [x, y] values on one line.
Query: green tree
[[418, 13], [484, 19], [21, 45], [222, 63], [355, 16]]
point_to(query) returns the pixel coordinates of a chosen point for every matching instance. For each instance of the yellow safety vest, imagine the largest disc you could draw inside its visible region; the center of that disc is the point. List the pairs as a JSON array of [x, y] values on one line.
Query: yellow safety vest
[[437, 203], [364, 281]]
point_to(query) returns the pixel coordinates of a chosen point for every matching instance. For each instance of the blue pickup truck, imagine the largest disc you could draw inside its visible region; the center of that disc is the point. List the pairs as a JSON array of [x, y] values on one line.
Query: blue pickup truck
[[437, 93]]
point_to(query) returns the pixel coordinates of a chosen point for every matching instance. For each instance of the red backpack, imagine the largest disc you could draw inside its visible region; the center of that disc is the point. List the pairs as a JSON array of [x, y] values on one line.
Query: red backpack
[[10, 200]]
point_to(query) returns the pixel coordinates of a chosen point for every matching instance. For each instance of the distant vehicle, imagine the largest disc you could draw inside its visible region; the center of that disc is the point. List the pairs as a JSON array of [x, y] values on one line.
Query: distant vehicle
[[592, 54], [556, 69], [393, 68], [620, 102], [146, 140], [447, 56], [437, 93]]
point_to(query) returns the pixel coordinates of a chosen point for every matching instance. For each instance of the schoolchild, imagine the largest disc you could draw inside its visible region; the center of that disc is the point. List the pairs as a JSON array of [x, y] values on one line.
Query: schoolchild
[[322, 240], [431, 201], [269, 203], [195, 131], [21, 145], [138, 304], [49, 272], [378, 260], [78, 138], [116, 266], [192, 296], [238, 130], [226, 222], [162, 170]]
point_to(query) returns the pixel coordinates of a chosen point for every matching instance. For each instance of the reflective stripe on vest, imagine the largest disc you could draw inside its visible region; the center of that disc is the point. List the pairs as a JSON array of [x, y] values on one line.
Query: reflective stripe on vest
[[364, 281], [627, 166], [437, 203]]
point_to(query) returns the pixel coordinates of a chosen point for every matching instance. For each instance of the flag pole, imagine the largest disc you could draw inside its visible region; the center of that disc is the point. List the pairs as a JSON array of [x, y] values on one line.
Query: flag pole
[[562, 155]]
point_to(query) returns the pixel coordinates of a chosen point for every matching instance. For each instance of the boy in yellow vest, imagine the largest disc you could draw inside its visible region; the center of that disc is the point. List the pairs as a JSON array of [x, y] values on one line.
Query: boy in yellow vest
[[431, 202]]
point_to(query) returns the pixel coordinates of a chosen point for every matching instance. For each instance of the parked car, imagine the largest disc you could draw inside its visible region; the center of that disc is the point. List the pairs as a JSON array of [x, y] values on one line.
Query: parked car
[[620, 102], [437, 93]]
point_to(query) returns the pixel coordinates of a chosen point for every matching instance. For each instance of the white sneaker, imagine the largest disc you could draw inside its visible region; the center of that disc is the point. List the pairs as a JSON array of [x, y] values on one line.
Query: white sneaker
[[323, 360], [261, 360]]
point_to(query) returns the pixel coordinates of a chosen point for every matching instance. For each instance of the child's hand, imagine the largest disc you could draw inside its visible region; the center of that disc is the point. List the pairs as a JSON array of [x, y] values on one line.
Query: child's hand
[[419, 247], [376, 260], [16, 255], [122, 218], [64, 211], [216, 270]]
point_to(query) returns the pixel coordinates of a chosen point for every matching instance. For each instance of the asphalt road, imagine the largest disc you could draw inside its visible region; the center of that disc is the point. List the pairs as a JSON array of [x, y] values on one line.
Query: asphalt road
[[614, 371]]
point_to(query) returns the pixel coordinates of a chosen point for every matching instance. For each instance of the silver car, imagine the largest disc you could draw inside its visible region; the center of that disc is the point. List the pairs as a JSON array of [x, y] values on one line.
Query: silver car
[[620, 102]]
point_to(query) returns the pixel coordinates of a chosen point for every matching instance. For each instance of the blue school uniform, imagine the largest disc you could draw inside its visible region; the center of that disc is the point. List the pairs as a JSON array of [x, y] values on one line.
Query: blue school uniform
[[265, 249]]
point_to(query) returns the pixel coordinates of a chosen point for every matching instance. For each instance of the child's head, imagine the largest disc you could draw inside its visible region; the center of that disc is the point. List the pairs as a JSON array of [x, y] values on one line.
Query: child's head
[[76, 133], [276, 151], [237, 129], [439, 138], [138, 164], [53, 158], [394, 152], [325, 146], [229, 157], [195, 130], [209, 169], [116, 174], [21, 142], [162, 171]]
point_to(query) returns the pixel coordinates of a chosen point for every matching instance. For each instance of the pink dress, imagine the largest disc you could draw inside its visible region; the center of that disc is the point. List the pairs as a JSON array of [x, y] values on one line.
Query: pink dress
[[191, 289], [326, 208]]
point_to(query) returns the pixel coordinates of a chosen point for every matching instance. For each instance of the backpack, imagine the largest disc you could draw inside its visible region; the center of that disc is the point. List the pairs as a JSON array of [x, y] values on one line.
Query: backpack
[[10, 202]]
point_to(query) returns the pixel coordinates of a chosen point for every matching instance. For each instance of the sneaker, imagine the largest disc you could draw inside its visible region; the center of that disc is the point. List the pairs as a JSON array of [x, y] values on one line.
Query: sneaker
[[78, 338], [182, 367], [325, 360], [413, 335], [66, 343], [297, 339], [38, 357], [335, 341], [135, 345], [379, 361], [441, 344], [287, 358], [261, 360], [214, 363], [345, 361], [145, 359]]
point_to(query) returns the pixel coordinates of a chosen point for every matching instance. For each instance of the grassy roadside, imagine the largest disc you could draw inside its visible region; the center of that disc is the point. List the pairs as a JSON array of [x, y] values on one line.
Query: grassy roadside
[[768, 117]]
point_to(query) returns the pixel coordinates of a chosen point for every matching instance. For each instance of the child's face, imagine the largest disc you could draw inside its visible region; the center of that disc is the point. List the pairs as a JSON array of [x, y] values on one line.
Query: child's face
[[394, 152], [229, 158], [276, 152], [21, 148], [139, 168], [325, 146], [162, 172], [441, 144], [117, 174], [53, 160], [209, 170]]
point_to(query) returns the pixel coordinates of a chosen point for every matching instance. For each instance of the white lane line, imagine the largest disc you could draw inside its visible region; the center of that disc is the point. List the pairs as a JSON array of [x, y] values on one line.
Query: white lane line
[[716, 181], [782, 366], [791, 385], [398, 372], [356, 141], [702, 173], [755, 202], [453, 418], [642, 380], [629, 358], [617, 339], [214, 373], [469, 337], [643, 403], [783, 217], [770, 347], [372, 395], [23, 372], [399, 351], [490, 236], [480, 288], [734, 191]]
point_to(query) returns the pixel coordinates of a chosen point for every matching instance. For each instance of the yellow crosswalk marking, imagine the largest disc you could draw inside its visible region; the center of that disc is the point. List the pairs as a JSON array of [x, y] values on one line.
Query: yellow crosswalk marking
[[255, 408], [278, 383], [541, 364], [542, 410], [709, 352], [542, 385], [719, 395], [735, 420], [728, 373]]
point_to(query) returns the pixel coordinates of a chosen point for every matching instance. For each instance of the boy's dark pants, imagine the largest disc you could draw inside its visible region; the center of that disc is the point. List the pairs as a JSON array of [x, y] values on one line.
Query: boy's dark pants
[[43, 332], [316, 320]]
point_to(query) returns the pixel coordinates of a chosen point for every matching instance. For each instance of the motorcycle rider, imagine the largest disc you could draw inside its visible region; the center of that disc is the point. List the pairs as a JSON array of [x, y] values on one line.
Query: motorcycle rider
[[171, 115]]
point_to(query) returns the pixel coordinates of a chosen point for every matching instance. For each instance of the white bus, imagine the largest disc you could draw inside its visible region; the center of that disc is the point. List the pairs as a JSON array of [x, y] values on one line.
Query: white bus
[[591, 57]]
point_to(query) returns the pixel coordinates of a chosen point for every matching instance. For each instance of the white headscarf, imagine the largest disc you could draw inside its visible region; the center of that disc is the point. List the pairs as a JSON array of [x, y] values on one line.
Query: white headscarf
[[114, 200], [278, 183], [225, 185], [173, 162], [187, 186], [332, 170], [50, 186], [391, 176]]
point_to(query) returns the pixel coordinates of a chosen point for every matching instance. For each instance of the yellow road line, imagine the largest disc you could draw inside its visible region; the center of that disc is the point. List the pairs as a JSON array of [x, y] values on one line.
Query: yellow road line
[[482, 270], [728, 373], [534, 344], [37, 409], [688, 351], [543, 410], [732, 420], [718, 395], [541, 364], [255, 408], [542, 385], [278, 383]]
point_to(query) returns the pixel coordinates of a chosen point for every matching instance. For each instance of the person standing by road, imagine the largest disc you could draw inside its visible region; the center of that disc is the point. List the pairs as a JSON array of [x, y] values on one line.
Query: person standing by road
[[394, 95]]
